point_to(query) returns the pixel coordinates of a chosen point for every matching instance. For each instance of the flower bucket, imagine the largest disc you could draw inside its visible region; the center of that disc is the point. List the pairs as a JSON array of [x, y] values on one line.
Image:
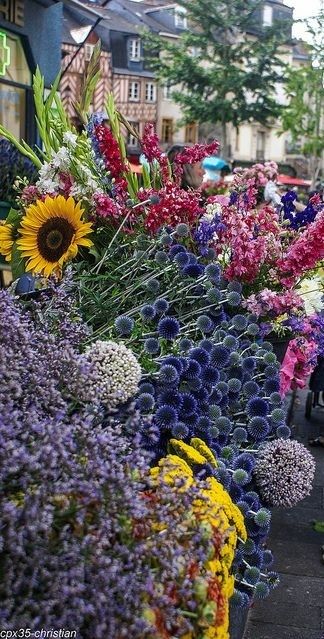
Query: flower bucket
[[4, 209], [237, 622], [280, 345]]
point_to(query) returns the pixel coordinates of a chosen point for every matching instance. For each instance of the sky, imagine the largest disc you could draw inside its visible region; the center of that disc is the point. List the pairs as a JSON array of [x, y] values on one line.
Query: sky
[[303, 9]]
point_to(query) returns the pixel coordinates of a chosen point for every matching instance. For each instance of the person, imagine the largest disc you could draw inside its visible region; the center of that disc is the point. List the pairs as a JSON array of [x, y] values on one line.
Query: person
[[192, 175]]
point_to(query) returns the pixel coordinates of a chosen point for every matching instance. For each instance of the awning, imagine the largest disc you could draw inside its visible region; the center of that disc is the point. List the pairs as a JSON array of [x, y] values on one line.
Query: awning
[[292, 181], [214, 164]]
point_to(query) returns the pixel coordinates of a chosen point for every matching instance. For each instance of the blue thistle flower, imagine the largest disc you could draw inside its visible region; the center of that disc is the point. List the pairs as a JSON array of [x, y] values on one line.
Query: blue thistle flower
[[252, 575], [251, 389], [185, 344], [203, 423], [245, 461], [152, 346], [175, 249], [239, 322], [278, 415], [234, 286], [166, 416], [205, 324], [234, 298], [222, 387], [211, 253], [243, 506], [270, 358], [213, 272], [170, 398], [168, 374], [234, 385], [210, 375], [275, 399], [257, 407], [241, 477], [161, 306], [283, 432], [214, 296], [194, 384], [214, 411], [235, 359], [258, 428], [253, 330], [145, 402], [239, 435], [271, 372], [147, 312], [249, 547], [191, 420], [261, 590], [271, 386], [147, 387], [249, 363], [200, 355], [224, 424], [180, 431], [206, 344], [268, 347], [124, 324], [220, 356], [189, 404], [262, 518], [182, 229], [153, 285], [166, 240], [168, 328], [181, 259], [239, 599], [231, 342], [161, 258], [193, 270], [267, 558], [177, 362], [194, 369]]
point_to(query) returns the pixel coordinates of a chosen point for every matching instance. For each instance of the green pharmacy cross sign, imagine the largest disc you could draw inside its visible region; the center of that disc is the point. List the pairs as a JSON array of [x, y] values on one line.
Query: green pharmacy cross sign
[[4, 53]]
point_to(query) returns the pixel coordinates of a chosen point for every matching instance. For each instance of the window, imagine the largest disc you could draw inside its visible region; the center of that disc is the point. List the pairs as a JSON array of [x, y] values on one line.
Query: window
[[167, 91], [191, 133], [180, 18], [167, 130], [150, 92], [88, 51], [194, 52], [267, 16], [261, 142], [134, 91], [134, 49], [132, 139]]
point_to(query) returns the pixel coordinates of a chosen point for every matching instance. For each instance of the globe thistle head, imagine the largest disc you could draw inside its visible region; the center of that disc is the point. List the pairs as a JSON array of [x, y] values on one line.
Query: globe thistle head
[[228, 453], [214, 411], [166, 416], [147, 312], [153, 285], [152, 346], [193, 270], [222, 387], [234, 298], [261, 590], [147, 387], [170, 397], [220, 356], [210, 375], [166, 240], [278, 415], [175, 250], [206, 344], [257, 407], [258, 428], [231, 342], [283, 431], [241, 477], [205, 324], [161, 258], [234, 385], [248, 547], [189, 404], [193, 371], [270, 358], [200, 355], [239, 435], [182, 229], [243, 506], [213, 273], [245, 461], [224, 424], [124, 325], [271, 386], [211, 254], [239, 322], [284, 472], [249, 363], [177, 362], [145, 402], [239, 599], [271, 372], [214, 296], [180, 430], [234, 359], [168, 374], [275, 399], [253, 330], [194, 384], [161, 306], [262, 518], [181, 259], [252, 575], [251, 389], [168, 328], [267, 558]]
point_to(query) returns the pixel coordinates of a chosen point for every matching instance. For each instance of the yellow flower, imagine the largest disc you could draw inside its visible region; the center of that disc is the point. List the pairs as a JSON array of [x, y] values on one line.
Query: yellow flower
[[6, 240], [51, 233]]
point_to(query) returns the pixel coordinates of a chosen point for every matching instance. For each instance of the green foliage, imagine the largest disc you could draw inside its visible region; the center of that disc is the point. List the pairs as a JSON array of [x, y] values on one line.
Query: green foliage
[[89, 84], [220, 73]]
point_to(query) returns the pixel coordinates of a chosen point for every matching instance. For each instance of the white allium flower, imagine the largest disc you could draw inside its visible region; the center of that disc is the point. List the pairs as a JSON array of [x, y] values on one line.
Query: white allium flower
[[70, 139], [284, 472], [116, 373]]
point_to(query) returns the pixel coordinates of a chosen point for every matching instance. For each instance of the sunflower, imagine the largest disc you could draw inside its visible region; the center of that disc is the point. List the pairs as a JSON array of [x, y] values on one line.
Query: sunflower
[[6, 240], [51, 233]]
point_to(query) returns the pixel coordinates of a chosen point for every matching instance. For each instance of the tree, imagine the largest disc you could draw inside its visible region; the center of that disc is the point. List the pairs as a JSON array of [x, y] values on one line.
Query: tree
[[225, 68], [304, 115]]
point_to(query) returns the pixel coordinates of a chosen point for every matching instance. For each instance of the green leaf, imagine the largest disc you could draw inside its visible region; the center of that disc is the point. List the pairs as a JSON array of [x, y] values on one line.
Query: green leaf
[[14, 217], [318, 526], [17, 262]]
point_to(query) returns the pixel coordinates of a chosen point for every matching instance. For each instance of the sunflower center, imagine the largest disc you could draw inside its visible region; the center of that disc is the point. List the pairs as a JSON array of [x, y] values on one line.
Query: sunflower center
[[54, 238]]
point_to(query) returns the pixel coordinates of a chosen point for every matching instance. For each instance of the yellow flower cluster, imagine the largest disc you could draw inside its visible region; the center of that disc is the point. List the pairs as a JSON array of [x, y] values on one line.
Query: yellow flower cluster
[[224, 521]]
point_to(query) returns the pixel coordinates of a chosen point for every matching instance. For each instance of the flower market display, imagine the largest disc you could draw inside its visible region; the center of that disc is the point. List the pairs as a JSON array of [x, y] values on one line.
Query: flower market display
[[143, 416]]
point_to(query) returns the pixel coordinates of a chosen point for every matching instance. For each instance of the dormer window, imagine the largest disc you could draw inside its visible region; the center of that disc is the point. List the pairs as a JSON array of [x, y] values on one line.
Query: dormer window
[[267, 16], [134, 48], [180, 18]]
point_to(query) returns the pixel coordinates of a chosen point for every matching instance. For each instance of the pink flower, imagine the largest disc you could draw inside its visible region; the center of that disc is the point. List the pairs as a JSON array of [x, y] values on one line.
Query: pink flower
[[175, 205], [110, 151], [299, 361], [304, 253], [106, 208]]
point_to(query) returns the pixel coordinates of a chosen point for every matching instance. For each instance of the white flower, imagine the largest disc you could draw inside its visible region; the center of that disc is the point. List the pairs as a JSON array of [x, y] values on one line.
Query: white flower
[[61, 159], [311, 291], [70, 139], [116, 373]]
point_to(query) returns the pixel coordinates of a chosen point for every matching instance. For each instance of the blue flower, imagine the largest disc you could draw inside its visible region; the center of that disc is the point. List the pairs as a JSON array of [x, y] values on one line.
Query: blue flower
[[193, 270], [189, 404], [168, 374], [239, 435], [258, 428], [161, 257], [220, 356], [205, 324], [193, 371], [175, 249], [168, 328], [153, 285], [283, 431], [210, 375], [234, 298], [185, 344], [180, 430], [200, 355], [239, 322], [161, 306], [145, 402], [177, 362], [213, 272], [146, 387], [181, 259], [166, 416], [147, 312], [257, 407], [234, 286], [171, 398], [206, 344], [124, 325], [151, 345], [182, 229], [251, 389]]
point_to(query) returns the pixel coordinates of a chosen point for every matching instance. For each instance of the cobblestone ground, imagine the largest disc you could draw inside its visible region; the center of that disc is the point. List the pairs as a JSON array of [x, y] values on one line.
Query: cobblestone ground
[[295, 610]]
